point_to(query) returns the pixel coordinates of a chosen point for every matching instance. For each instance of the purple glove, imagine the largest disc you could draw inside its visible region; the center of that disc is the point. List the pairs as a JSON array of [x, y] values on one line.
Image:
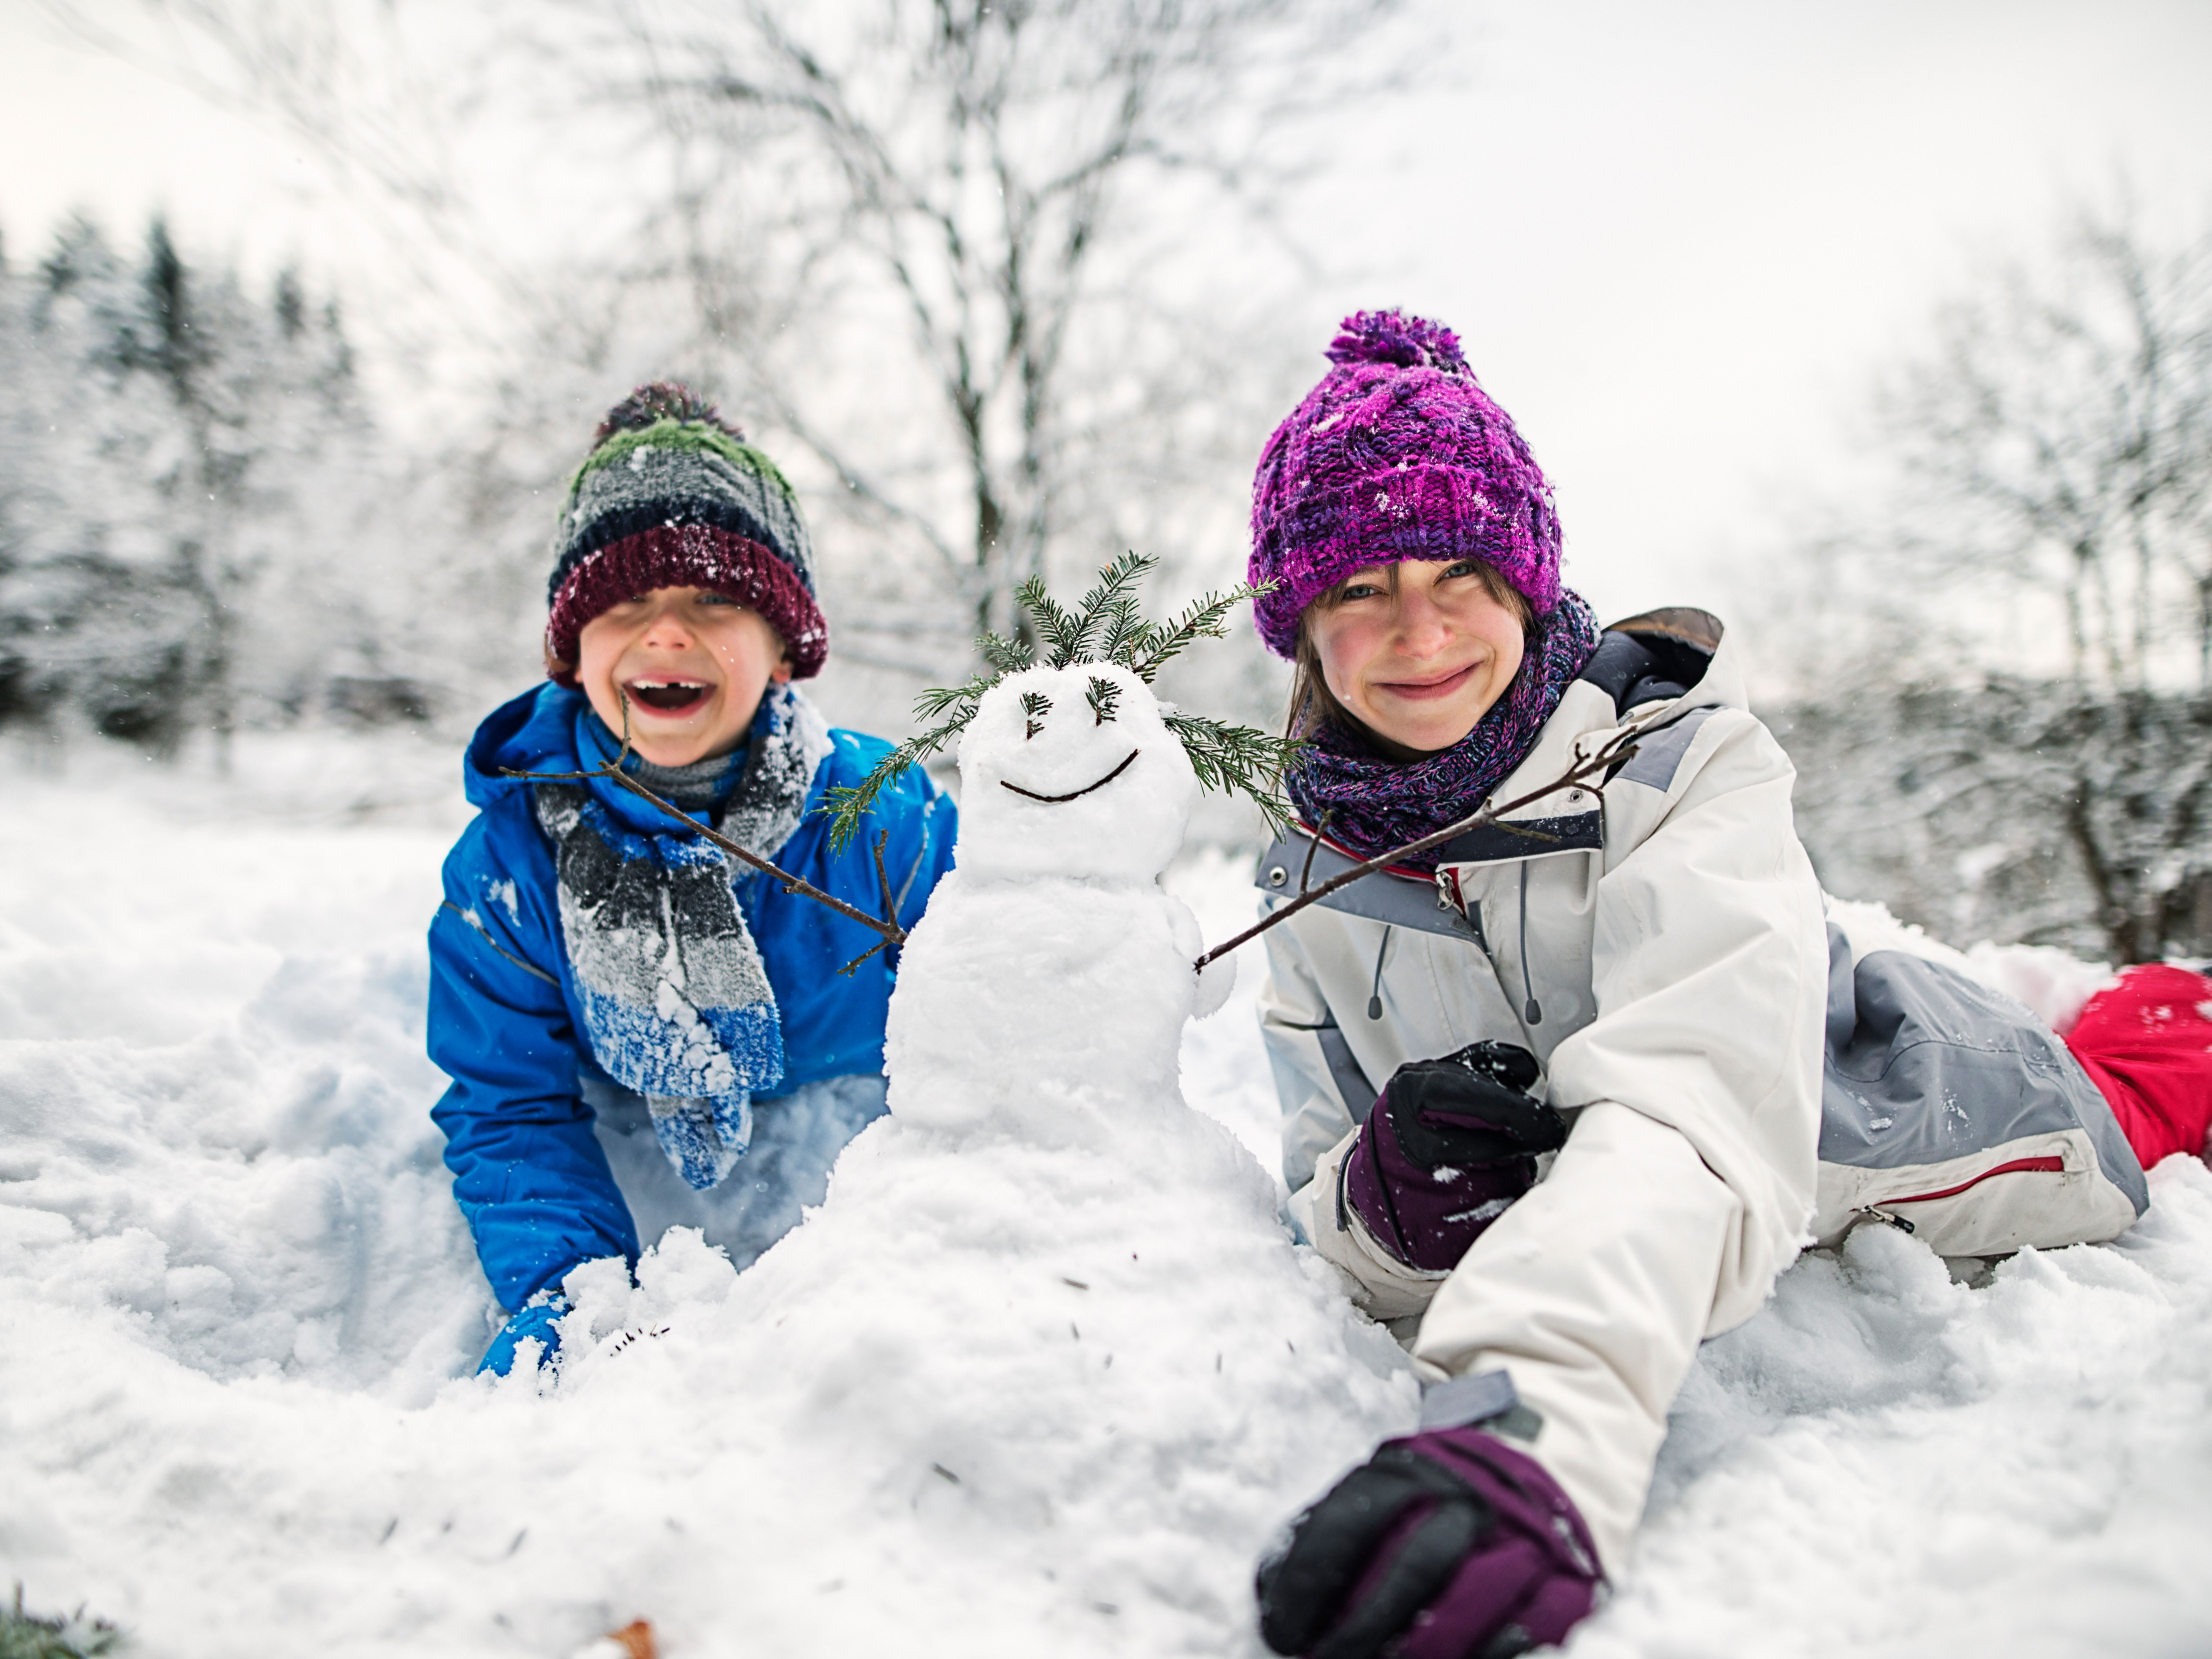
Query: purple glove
[[1446, 1545], [1448, 1146]]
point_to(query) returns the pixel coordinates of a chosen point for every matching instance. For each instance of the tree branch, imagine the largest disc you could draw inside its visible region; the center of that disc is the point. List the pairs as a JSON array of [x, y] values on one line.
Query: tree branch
[[1616, 749], [612, 771]]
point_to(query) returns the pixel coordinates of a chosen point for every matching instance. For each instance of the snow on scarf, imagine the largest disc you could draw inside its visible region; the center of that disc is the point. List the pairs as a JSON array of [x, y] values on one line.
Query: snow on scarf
[[675, 1001], [1374, 803]]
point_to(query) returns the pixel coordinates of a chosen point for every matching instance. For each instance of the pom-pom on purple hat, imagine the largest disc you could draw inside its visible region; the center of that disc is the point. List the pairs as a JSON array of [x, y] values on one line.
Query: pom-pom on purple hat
[[1397, 454]]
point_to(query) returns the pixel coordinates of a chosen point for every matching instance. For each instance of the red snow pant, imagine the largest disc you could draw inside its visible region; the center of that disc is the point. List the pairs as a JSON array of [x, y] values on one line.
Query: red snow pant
[[2147, 1041]]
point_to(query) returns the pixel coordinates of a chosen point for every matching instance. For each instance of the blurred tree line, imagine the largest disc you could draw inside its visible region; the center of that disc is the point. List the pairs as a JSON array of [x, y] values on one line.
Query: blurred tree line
[[190, 492], [1001, 285], [2007, 731]]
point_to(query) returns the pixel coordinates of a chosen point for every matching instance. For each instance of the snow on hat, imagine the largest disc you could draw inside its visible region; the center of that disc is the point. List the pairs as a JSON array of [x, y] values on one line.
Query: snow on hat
[[1397, 454], [672, 496]]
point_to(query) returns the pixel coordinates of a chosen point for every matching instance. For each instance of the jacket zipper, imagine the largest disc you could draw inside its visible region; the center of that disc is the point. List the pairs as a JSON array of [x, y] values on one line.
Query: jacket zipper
[[2018, 1166]]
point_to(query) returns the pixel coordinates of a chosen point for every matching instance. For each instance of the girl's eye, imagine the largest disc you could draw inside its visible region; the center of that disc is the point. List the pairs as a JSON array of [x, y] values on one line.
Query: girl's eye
[[1359, 590], [716, 598], [1464, 567]]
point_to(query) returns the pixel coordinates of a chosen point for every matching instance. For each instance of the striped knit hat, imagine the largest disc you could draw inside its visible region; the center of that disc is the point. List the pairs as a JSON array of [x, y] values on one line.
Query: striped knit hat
[[1397, 454], [672, 496]]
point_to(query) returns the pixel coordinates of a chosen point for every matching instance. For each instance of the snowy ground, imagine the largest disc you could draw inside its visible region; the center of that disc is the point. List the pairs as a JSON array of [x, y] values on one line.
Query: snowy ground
[[239, 1308]]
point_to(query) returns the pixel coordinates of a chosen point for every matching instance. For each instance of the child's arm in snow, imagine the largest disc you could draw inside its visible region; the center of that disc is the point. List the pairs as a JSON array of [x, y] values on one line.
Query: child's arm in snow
[[1687, 1182], [528, 1171]]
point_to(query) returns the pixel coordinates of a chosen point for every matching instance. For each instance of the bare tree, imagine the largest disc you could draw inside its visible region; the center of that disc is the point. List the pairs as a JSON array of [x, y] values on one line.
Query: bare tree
[[995, 270], [2014, 808], [2052, 459], [966, 186], [2059, 439]]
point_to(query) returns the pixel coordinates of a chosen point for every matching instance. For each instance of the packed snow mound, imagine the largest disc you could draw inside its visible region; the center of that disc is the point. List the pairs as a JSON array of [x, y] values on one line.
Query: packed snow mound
[[1885, 1460]]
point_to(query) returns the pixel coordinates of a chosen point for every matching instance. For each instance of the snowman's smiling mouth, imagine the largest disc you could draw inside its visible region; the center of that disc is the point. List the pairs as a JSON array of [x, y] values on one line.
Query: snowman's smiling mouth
[[1032, 795]]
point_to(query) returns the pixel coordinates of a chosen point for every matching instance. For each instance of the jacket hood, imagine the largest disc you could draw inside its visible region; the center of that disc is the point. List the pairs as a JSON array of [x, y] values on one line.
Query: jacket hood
[[533, 732]]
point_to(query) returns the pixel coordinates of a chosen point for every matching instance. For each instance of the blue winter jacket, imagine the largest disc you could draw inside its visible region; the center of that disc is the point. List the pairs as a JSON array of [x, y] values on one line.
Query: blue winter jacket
[[504, 1022]]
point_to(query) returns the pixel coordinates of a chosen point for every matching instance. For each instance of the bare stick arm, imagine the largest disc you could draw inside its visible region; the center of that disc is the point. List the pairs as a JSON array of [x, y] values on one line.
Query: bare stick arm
[[1615, 750], [891, 931]]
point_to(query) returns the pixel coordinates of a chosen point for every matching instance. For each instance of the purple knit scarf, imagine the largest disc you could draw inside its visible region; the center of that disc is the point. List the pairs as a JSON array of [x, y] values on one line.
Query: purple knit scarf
[[1375, 804]]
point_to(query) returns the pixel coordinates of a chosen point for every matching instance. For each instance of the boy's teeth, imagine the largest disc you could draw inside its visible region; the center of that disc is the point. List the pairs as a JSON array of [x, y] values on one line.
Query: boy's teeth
[[667, 694]]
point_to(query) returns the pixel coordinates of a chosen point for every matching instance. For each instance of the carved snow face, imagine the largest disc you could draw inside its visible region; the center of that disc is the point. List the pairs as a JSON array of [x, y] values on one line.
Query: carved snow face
[[1071, 772]]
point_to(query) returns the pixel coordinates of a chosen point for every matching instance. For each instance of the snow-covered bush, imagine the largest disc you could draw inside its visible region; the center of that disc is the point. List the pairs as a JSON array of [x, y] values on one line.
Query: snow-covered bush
[[2021, 811], [192, 534]]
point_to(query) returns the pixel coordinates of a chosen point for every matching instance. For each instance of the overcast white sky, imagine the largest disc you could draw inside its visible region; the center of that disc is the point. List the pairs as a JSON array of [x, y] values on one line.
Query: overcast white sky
[[1677, 239]]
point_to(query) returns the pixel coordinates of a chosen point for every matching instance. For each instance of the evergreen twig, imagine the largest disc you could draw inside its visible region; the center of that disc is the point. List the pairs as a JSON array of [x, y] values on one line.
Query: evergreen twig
[[1107, 625], [27, 1636], [1239, 760]]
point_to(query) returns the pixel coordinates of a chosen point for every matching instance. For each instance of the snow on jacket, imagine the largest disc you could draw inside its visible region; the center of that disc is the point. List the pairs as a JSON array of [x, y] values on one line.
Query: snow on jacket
[[1663, 952], [505, 1022]]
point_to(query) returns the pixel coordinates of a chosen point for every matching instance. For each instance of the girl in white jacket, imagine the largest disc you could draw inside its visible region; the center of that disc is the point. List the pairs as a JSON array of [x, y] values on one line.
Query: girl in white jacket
[[1627, 985]]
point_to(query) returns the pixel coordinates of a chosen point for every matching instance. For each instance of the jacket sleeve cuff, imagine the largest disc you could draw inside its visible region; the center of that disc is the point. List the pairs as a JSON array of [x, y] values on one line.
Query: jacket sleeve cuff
[[1383, 1287]]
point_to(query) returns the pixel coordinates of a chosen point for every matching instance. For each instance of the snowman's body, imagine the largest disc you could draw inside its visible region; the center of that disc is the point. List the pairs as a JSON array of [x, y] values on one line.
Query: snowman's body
[[1045, 1369]]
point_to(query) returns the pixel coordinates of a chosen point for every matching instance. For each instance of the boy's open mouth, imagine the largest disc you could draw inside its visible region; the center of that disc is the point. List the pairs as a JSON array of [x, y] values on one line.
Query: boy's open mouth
[[668, 696]]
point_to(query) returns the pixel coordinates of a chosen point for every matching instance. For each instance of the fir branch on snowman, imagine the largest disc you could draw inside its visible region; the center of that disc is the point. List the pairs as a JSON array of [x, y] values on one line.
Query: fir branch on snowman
[[27, 1636], [1106, 626]]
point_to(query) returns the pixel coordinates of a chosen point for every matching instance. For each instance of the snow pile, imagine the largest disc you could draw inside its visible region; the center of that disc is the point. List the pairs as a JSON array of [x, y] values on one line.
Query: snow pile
[[212, 1087], [1045, 1360], [1046, 1307], [2055, 985], [1886, 1462], [234, 1411]]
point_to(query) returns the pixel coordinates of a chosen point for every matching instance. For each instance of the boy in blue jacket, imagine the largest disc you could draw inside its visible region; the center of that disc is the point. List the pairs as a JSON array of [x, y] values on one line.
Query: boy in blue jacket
[[609, 996]]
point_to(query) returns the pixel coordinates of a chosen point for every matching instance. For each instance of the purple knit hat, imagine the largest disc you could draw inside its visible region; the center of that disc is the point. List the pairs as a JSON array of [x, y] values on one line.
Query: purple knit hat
[[1397, 454]]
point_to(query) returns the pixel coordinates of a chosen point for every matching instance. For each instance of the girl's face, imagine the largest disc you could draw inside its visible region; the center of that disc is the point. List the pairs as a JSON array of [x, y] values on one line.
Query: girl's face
[[694, 664], [1417, 651]]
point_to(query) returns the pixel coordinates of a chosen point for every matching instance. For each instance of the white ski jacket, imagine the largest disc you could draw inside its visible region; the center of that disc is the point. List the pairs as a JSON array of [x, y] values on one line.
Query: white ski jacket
[[1662, 953], [1740, 1077]]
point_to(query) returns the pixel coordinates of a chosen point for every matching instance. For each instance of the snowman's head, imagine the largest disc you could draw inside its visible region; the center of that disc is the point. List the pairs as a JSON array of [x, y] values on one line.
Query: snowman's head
[[1071, 772]]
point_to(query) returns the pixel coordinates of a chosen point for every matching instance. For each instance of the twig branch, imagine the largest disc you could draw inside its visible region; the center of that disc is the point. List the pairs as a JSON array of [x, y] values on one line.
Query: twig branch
[[884, 880], [889, 928], [1616, 749], [1306, 869]]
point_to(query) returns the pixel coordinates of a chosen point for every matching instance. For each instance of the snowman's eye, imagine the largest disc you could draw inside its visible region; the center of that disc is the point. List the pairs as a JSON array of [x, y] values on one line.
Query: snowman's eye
[[1036, 706], [1105, 697]]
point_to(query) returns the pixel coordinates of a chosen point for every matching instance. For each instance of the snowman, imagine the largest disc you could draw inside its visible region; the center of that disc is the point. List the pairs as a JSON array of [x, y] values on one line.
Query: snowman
[[1046, 990], [1046, 1367]]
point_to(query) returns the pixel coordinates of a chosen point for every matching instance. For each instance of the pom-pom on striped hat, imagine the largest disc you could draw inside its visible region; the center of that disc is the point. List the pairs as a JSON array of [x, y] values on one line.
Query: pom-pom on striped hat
[[671, 495], [1397, 454]]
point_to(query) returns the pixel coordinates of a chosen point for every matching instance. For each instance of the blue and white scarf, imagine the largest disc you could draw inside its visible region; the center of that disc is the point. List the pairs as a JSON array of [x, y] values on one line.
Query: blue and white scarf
[[675, 1001]]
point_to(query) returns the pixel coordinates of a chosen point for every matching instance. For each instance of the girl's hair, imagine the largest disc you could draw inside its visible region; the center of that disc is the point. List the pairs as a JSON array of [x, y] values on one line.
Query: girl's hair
[[1313, 705]]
